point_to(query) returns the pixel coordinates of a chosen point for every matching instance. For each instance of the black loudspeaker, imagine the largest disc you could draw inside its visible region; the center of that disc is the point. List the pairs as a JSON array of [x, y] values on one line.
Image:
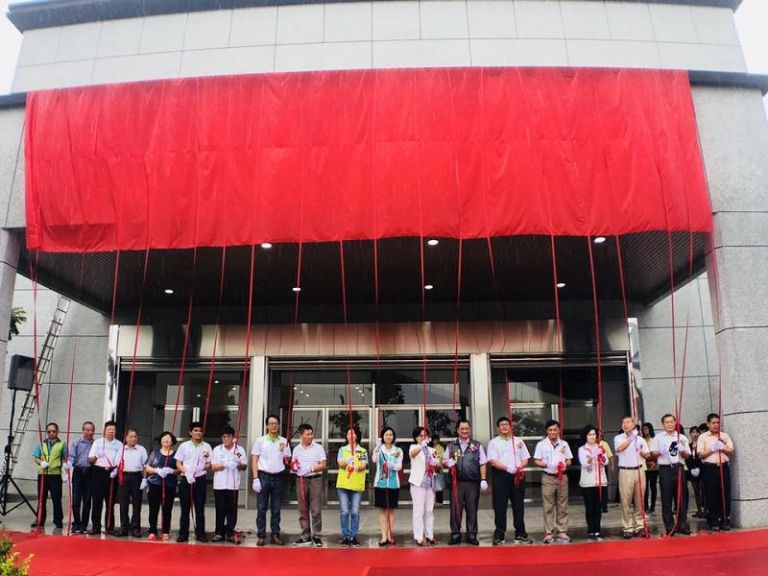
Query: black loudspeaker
[[22, 373]]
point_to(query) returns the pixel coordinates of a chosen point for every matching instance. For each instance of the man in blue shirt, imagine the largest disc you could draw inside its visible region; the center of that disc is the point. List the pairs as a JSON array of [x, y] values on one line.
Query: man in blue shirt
[[82, 478]]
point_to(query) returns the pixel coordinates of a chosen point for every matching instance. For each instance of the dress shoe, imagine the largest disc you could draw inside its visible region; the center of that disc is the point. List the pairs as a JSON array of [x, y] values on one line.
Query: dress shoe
[[276, 540], [260, 541]]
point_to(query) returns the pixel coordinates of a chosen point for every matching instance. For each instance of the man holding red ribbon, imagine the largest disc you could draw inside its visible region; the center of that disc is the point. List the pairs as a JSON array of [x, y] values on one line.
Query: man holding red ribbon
[[716, 450], [508, 456], [554, 455], [631, 449], [466, 460]]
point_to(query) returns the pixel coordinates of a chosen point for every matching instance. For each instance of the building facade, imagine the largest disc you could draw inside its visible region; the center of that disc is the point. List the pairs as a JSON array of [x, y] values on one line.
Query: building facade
[[408, 361]]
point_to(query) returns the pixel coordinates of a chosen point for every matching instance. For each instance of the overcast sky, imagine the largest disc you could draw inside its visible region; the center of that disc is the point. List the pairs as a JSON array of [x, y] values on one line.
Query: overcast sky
[[751, 22]]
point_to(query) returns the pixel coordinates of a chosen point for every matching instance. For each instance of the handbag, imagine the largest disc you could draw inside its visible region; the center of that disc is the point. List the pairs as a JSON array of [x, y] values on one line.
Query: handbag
[[438, 482]]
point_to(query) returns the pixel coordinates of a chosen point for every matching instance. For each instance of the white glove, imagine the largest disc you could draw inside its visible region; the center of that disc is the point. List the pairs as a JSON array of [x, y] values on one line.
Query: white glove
[[66, 466], [144, 485], [256, 485], [634, 433], [232, 464], [378, 442], [483, 486], [511, 469], [449, 462], [695, 472], [65, 478], [190, 476], [552, 467], [303, 471], [44, 464], [113, 474], [349, 461], [100, 453], [162, 472], [716, 446], [425, 442]]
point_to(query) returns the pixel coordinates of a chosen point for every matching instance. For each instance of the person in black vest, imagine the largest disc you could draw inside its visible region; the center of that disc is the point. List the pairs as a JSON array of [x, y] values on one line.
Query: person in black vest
[[465, 459]]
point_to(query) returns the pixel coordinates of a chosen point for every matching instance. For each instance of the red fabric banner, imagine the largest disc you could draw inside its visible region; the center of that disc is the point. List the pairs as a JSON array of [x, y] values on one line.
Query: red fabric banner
[[342, 155]]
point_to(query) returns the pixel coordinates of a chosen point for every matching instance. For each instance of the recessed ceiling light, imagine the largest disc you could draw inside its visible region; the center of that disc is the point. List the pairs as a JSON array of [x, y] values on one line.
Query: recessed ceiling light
[[296, 288], [599, 239], [428, 287], [168, 291], [560, 284], [215, 381], [266, 245], [433, 242]]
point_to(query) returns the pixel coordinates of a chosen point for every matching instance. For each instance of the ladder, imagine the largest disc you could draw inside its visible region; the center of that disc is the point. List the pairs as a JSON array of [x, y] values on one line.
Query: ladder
[[43, 365]]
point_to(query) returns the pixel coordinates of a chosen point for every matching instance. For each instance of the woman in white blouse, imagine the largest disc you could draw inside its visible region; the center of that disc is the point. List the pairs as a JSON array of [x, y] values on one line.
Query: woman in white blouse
[[423, 465], [593, 480]]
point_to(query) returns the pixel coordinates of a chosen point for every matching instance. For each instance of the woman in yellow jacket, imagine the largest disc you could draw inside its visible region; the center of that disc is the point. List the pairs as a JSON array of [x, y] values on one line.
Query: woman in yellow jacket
[[350, 484]]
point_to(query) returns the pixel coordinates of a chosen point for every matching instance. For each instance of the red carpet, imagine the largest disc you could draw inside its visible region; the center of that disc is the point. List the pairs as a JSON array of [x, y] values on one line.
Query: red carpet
[[735, 553]]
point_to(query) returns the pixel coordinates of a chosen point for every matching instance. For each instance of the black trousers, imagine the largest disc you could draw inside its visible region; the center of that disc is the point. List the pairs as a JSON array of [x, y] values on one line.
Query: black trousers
[[159, 498], [505, 492], [651, 487], [104, 492], [50, 484], [192, 497], [710, 474], [226, 511], [82, 493], [468, 496], [593, 504], [129, 494], [669, 478]]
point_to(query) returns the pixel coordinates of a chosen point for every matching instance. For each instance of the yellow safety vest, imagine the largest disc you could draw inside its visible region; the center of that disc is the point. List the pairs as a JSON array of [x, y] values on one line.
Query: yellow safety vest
[[356, 480]]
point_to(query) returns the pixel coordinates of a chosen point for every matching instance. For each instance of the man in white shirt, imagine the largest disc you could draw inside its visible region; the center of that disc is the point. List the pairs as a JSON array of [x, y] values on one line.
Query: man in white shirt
[[193, 459], [228, 461], [554, 455], [308, 464], [104, 456], [716, 449], [631, 450], [270, 454], [129, 477], [508, 456], [670, 449]]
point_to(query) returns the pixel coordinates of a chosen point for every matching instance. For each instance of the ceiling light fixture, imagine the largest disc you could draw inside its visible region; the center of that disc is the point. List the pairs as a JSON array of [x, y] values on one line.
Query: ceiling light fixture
[[433, 242], [168, 291], [599, 239], [266, 245], [296, 288], [560, 284], [428, 287]]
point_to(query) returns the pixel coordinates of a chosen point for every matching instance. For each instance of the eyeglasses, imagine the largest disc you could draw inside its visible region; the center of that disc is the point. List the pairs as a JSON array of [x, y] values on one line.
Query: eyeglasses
[[52, 431]]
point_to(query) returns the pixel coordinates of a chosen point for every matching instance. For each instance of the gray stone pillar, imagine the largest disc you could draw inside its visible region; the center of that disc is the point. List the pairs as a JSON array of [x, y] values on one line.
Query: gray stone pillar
[[734, 139]]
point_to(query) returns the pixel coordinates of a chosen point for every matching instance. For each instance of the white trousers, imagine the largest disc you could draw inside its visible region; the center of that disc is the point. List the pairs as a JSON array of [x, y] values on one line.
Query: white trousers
[[423, 513]]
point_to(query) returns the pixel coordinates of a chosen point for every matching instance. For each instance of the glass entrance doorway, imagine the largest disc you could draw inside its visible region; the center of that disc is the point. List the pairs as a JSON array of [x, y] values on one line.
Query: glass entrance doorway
[[382, 394]]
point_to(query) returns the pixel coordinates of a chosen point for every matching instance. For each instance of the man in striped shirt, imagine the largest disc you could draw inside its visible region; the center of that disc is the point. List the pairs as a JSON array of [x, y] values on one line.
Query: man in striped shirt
[[308, 464]]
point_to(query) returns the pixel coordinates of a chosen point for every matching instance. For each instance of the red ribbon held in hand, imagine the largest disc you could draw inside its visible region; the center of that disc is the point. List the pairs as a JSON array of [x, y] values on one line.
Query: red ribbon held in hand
[[560, 470]]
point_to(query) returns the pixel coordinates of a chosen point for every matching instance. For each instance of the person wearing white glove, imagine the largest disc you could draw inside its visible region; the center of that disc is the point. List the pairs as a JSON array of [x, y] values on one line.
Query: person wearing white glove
[[632, 451], [508, 455], [716, 449], [422, 495], [256, 485], [386, 483], [554, 455], [350, 483], [593, 481], [228, 460], [694, 472], [469, 468], [162, 478], [193, 460], [104, 456], [670, 449], [269, 456], [130, 493], [82, 478], [308, 462], [50, 457]]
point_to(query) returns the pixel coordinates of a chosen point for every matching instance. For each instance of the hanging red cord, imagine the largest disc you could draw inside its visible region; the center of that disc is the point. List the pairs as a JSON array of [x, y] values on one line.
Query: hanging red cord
[[132, 377], [598, 352], [187, 329], [216, 334]]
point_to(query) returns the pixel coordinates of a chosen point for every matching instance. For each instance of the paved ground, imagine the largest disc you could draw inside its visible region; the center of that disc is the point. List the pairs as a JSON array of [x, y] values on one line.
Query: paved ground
[[20, 519]]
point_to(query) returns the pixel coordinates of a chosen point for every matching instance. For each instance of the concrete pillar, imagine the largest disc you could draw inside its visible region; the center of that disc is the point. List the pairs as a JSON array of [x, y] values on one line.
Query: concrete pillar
[[480, 398], [257, 412], [734, 139]]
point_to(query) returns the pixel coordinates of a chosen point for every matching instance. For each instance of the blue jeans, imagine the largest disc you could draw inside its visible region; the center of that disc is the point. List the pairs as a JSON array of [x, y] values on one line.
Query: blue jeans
[[271, 496], [350, 512]]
